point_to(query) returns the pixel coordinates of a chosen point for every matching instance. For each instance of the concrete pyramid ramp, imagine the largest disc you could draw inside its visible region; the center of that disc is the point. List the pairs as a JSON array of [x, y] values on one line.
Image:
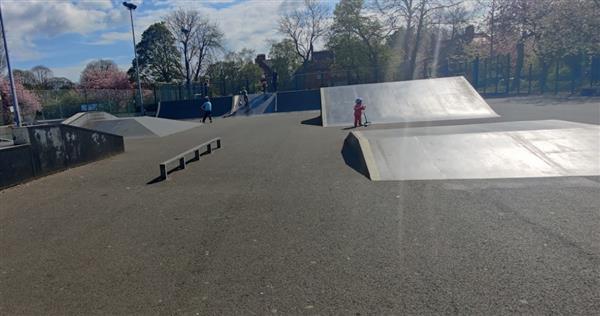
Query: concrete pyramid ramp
[[81, 119], [477, 151], [405, 101], [129, 127]]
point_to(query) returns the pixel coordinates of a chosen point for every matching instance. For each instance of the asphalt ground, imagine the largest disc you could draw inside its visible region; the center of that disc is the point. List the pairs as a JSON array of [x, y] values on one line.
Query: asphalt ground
[[276, 223]]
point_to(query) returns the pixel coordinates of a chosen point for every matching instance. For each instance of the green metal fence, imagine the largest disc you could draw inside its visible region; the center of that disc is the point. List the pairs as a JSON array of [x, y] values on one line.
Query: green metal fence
[[500, 75], [58, 104]]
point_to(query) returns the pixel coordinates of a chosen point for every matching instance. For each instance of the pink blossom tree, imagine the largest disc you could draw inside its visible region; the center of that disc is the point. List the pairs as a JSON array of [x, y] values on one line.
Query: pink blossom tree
[[104, 83], [29, 102], [104, 74]]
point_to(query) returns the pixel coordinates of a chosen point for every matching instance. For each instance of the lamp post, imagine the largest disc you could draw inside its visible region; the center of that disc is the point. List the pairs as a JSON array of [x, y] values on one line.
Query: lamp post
[[10, 76], [131, 7]]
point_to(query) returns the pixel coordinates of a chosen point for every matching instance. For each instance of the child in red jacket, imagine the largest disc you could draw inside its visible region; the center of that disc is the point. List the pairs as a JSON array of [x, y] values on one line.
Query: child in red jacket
[[358, 109]]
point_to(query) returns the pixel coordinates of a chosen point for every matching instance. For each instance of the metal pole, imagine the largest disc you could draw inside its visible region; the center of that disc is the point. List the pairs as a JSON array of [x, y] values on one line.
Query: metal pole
[[529, 79], [10, 75], [137, 66], [556, 75], [507, 76]]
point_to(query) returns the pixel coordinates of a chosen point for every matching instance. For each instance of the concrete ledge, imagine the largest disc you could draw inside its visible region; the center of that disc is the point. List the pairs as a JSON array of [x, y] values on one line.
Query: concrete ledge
[[46, 149]]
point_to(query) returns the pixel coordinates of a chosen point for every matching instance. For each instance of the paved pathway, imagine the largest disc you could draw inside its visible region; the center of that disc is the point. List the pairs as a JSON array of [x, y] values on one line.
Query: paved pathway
[[277, 223]]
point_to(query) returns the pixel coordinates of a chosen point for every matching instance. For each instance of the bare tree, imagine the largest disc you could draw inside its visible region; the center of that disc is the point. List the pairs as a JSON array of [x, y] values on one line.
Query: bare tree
[[41, 75], [415, 16], [198, 37], [305, 26], [208, 39], [402, 13], [456, 19], [26, 77], [490, 9]]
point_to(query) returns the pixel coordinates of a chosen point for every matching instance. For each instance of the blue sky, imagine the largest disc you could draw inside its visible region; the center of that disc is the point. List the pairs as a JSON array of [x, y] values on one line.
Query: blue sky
[[64, 35]]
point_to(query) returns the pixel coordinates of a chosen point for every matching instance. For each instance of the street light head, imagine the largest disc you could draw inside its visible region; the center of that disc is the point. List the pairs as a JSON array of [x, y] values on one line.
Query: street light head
[[129, 6]]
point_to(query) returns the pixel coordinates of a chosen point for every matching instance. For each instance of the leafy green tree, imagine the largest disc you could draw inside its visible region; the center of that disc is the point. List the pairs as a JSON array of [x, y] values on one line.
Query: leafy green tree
[[235, 71], [284, 60], [351, 24], [567, 28], [157, 55], [351, 57]]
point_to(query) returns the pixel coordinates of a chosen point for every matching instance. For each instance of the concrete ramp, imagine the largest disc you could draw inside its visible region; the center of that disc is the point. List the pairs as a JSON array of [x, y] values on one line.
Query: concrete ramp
[[129, 127], [478, 151], [258, 104], [405, 101]]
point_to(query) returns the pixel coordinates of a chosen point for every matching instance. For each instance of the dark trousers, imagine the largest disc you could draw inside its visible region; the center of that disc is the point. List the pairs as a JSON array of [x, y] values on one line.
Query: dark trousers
[[207, 114]]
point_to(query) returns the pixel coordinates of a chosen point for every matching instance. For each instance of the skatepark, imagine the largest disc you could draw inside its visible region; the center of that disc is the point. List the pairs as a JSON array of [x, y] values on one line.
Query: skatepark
[[446, 204]]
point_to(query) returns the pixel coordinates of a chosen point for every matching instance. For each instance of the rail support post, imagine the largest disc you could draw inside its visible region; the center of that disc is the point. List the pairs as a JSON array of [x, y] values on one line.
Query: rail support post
[[163, 172]]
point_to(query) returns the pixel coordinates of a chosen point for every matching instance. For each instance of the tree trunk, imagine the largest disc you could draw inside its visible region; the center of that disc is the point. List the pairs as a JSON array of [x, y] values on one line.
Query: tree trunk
[[544, 75], [187, 64], [417, 43], [519, 66], [493, 14], [406, 47]]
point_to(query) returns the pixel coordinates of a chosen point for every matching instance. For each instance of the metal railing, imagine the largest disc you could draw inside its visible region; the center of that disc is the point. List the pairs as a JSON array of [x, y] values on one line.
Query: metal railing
[[181, 159]]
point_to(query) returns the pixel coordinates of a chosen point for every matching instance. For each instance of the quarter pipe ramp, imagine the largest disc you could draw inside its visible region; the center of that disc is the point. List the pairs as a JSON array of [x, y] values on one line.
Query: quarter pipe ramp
[[405, 101]]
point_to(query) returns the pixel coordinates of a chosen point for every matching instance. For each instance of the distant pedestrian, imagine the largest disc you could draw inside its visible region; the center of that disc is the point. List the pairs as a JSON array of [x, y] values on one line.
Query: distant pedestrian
[[207, 108], [206, 86], [263, 84], [358, 110], [274, 81], [245, 96]]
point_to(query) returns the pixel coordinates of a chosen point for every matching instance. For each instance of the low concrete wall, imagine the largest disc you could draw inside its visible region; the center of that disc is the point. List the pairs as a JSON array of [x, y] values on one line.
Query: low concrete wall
[[301, 100], [47, 149], [188, 109], [15, 165]]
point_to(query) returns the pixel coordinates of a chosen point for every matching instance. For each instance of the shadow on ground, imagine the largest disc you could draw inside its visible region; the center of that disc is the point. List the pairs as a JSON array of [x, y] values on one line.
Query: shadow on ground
[[352, 154], [161, 179], [316, 121]]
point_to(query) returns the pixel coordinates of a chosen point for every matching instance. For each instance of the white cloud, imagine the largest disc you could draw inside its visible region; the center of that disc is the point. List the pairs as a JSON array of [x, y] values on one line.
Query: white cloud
[[26, 22], [95, 4], [246, 24], [252, 24], [112, 37], [249, 24]]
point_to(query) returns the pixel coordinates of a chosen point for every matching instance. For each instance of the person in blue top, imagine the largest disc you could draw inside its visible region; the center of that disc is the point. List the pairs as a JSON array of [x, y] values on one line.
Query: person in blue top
[[207, 108]]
